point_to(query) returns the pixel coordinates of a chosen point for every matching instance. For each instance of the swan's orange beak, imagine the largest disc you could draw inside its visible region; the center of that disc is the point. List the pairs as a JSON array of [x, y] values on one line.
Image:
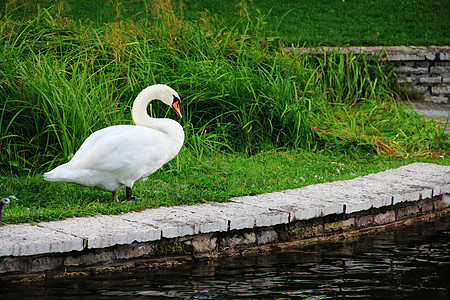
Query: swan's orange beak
[[176, 107]]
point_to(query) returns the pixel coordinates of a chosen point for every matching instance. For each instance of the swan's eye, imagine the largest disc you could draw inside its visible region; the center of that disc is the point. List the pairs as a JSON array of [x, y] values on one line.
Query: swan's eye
[[176, 99]]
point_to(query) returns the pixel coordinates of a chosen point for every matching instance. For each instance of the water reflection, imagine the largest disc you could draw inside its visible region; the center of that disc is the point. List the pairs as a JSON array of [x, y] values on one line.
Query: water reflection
[[412, 262]]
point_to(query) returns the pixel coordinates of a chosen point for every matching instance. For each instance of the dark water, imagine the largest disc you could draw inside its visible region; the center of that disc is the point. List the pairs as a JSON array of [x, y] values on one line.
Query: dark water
[[408, 263]]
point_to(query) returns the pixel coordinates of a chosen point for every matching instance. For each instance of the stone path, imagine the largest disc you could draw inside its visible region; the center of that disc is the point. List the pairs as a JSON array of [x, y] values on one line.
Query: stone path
[[439, 112], [409, 183]]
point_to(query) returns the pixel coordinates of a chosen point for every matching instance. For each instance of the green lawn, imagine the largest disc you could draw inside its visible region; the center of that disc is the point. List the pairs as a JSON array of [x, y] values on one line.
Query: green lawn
[[298, 22], [351, 22], [213, 178]]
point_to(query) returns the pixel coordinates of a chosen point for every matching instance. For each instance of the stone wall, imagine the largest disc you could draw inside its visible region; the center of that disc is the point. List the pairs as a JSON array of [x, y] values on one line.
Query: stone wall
[[423, 72]]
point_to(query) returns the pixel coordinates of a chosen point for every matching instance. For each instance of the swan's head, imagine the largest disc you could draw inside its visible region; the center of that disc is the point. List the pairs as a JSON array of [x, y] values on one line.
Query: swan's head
[[158, 91], [176, 105], [169, 96]]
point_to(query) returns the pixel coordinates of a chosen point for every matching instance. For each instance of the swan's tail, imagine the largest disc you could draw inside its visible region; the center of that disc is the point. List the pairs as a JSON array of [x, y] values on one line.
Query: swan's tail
[[57, 174], [102, 180], [64, 173]]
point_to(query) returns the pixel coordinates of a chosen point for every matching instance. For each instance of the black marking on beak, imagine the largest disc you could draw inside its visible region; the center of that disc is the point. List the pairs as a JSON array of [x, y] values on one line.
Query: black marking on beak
[[176, 105]]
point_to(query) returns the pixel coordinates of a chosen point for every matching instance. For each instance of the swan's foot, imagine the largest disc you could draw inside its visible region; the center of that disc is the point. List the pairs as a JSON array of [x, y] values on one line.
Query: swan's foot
[[128, 193]]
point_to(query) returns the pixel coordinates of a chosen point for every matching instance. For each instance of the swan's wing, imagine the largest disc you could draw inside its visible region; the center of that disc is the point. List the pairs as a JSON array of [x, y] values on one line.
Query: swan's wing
[[87, 146], [127, 148]]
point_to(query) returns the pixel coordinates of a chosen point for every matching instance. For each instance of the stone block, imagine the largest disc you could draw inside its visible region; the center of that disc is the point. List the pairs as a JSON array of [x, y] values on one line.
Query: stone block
[[204, 221], [340, 196], [446, 79], [87, 259], [299, 206], [341, 225], [441, 89], [233, 241], [177, 221], [105, 231], [413, 195], [241, 215], [266, 236], [405, 184], [133, 251], [444, 56], [417, 89], [384, 218], [27, 265], [406, 211], [26, 239], [11, 264], [411, 70], [410, 57], [396, 191], [430, 80], [439, 99], [302, 232], [442, 189], [364, 221], [408, 80], [427, 98], [426, 206], [204, 243], [438, 70], [412, 80]]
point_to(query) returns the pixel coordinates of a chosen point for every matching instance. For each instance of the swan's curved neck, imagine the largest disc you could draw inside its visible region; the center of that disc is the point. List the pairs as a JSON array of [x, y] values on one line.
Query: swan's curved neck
[[139, 110], [141, 117]]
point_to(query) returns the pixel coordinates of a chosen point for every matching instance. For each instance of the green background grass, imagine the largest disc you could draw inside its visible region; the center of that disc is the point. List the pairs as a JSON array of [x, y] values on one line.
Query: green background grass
[[299, 22]]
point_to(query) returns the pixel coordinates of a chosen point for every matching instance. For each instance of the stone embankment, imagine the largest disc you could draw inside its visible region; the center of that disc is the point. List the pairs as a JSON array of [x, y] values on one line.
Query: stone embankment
[[81, 246]]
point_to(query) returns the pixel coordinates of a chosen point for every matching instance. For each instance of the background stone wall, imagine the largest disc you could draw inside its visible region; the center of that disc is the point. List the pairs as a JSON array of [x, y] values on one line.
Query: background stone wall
[[423, 72]]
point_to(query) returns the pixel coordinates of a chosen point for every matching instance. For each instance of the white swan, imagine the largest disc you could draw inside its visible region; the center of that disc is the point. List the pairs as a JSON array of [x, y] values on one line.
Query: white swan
[[119, 155]]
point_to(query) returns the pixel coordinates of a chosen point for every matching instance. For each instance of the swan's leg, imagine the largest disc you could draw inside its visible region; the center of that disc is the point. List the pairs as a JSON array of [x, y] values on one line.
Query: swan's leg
[[128, 193], [115, 197]]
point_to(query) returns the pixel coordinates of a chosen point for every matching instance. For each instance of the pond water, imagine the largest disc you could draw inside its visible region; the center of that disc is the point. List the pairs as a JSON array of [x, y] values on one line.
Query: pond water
[[408, 263]]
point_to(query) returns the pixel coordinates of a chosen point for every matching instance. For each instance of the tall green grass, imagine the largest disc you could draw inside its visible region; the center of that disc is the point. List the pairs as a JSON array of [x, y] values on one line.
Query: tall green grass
[[60, 81]]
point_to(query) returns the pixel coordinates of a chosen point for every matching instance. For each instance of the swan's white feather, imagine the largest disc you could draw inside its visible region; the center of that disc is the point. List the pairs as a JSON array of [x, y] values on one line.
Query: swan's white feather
[[119, 155]]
